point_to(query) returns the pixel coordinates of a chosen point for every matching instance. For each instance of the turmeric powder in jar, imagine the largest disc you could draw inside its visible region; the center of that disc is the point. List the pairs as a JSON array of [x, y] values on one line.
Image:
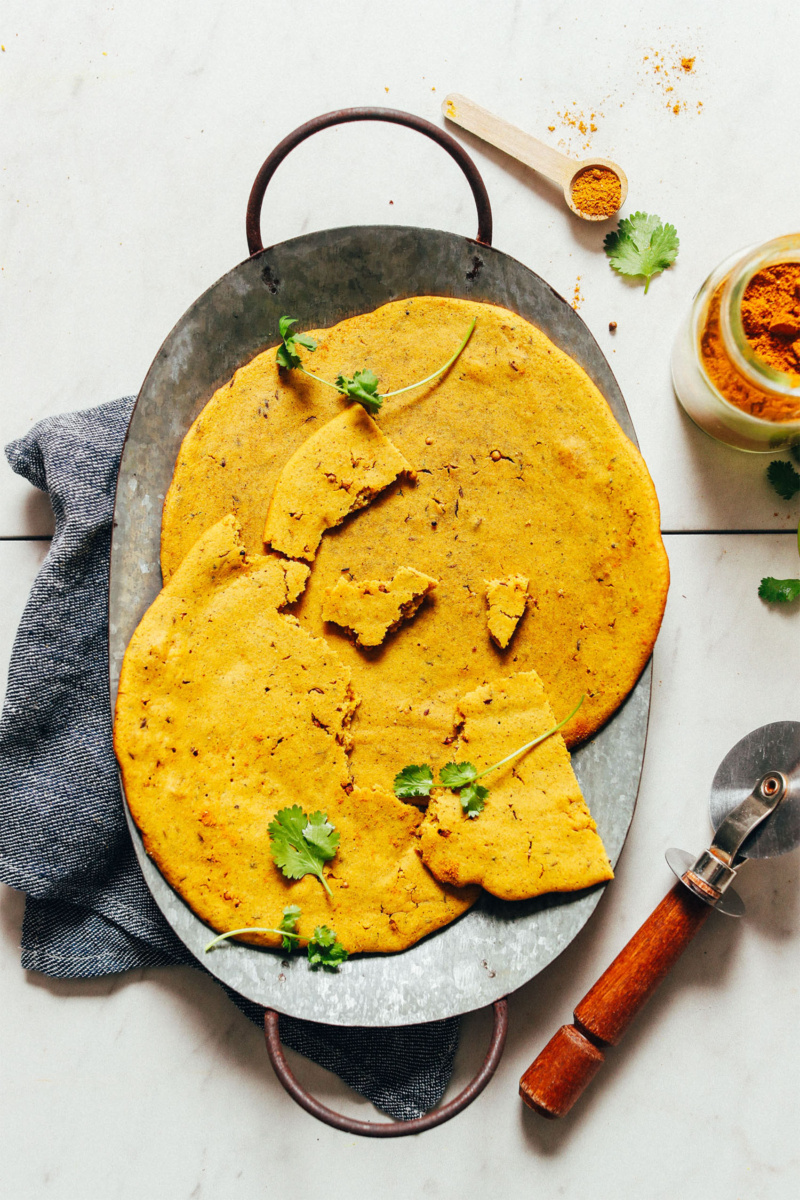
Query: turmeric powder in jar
[[736, 362]]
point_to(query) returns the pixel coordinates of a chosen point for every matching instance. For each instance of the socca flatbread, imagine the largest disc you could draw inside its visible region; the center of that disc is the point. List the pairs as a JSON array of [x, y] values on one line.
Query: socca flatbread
[[535, 833], [229, 711], [521, 470]]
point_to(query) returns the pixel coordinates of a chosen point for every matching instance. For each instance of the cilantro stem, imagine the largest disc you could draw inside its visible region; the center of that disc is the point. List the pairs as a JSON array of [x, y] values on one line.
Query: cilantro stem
[[399, 391], [530, 745], [321, 878], [441, 370], [250, 929], [327, 382]]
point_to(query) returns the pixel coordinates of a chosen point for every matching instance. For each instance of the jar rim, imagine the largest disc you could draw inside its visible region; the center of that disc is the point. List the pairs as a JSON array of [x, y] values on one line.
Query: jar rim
[[781, 249]]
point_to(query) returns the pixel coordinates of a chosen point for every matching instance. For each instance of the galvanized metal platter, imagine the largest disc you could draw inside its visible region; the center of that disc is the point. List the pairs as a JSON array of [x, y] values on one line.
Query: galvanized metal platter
[[321, 279]]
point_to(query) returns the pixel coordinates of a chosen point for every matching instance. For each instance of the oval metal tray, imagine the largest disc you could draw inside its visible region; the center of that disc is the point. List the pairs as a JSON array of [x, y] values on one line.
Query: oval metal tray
[[322, 278]]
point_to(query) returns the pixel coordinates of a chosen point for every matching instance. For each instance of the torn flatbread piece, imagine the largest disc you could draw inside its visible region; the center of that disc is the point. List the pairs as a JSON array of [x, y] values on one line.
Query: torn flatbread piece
[[229, 711], [506, 599], [535, 833], [372, 608], [282, 580], [336, 471]]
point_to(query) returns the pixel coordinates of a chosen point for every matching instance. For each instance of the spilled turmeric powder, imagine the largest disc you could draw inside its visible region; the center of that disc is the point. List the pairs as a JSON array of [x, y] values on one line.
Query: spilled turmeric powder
[[597, 191], [770, 312]]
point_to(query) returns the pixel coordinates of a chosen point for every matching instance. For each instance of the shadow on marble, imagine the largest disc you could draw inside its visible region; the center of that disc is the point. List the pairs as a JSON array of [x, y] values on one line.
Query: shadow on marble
[[34, 517], [730, 479], [12, 908], [770, 888], [37, 515]]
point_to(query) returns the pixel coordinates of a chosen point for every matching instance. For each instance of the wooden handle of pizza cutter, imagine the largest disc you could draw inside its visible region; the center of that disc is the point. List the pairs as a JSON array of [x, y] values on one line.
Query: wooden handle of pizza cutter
[[572, 1058]]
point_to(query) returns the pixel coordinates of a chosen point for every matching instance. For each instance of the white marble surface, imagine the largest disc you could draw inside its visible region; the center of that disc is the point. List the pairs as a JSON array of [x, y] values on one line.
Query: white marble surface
[[133, 132], [152, 1085]]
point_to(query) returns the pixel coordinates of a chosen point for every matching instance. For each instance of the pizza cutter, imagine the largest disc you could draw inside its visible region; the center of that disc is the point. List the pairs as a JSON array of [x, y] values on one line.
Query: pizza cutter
[[755, 812]]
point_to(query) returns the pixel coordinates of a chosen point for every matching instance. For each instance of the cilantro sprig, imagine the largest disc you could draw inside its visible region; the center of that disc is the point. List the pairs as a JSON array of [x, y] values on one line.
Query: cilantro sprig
[[288, 926], [783, 478], [786, 482], [287, 355], [416, 781], [462, 778], [642, 245], [779, 591], [300, 845], [363, 386], [324, 949], [412, 783]]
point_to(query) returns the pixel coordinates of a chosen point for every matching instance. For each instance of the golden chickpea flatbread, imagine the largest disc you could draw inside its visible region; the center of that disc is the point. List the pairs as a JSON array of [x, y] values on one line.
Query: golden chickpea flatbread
[[227, 712], [521, 470], [535, 833], [509, 483]]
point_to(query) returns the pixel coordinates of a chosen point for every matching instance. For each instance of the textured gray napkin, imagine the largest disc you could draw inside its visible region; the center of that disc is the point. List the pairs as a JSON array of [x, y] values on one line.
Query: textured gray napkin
[[63, 836]]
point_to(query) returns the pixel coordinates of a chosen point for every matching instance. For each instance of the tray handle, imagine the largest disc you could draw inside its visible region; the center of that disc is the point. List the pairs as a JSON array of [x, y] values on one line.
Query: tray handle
[[385, 1129], [341, 117]]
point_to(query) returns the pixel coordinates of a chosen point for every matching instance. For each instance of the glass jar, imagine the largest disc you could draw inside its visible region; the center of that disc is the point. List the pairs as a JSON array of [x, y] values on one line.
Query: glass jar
[[712, 342]]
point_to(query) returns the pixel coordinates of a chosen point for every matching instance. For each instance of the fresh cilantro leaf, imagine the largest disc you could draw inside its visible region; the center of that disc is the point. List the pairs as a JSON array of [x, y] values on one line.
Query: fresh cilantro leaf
[[413, 782], [324, 950], [463, 777], [286, 357], [286, 354], [457, 775], [363, 387], [642, 245], [473, 798], [779, 591], [321, 834], [292, 850], [783, 478], [288, 926]]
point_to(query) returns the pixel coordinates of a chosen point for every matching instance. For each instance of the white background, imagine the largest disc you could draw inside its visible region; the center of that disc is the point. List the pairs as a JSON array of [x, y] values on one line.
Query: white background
[[131, 136]]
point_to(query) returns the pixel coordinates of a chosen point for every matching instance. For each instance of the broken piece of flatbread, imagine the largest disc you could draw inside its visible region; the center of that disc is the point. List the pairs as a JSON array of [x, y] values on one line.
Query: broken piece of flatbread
[[506, 599], [371, 608], [535, 833], [282, 580], [336, 471]]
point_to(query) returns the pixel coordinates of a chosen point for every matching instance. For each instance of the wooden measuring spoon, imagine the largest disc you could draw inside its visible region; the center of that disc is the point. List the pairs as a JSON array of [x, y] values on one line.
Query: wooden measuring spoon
[[554, 165]]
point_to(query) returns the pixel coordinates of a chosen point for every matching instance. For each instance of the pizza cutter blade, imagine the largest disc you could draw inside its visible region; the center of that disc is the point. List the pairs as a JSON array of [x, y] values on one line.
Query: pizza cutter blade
[[755, 812]]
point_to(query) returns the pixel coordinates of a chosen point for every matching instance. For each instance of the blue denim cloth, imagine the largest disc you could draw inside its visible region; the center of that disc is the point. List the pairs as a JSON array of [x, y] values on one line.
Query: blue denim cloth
[[63, 837]]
